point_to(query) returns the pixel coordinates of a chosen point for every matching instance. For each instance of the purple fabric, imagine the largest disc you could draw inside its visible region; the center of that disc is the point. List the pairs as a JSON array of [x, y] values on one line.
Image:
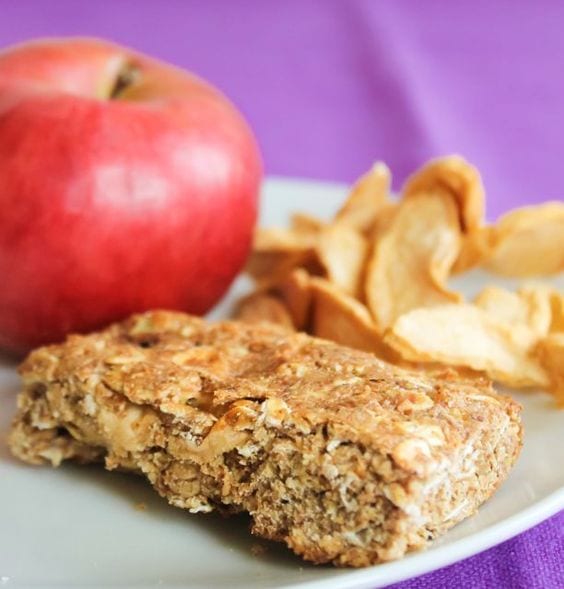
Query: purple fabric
[[330, 86], [533, 560]]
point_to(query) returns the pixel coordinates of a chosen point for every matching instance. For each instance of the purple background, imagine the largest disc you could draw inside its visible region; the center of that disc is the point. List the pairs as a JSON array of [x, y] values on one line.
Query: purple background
[[330, 86]]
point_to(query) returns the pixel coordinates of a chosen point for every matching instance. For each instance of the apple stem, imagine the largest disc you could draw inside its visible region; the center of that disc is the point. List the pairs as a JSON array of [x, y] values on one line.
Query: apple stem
[[127, 75]]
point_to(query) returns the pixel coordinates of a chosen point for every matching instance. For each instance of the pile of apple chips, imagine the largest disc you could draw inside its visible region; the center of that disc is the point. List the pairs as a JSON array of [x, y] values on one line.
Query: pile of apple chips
[[376, 277]]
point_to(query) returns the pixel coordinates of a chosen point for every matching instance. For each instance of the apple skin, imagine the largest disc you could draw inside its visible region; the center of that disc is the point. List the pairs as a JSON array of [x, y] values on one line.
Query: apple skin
[[115, 197]]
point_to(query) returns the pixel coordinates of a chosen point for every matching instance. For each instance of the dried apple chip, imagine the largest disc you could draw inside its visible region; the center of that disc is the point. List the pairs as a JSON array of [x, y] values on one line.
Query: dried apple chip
[[276, 251], [473, 251], [260, 307], [527, 310], [342, 319], [295, 292], [506, 305], [304, 223], [342, 252], [467, 336], [457, 177], [557, 311], [383, 220], [267, 268], [528, 241], [551, 354], [367, 197], [411, 259]]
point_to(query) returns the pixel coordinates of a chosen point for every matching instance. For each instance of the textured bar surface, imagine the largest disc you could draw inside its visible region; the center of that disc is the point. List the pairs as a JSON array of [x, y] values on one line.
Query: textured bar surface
[[342, 457]]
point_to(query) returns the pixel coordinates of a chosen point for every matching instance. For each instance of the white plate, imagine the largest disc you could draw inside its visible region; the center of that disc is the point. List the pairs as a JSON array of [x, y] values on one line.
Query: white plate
[[79, 526]]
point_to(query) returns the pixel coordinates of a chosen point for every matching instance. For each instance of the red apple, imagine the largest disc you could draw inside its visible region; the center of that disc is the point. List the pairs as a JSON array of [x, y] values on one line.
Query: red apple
[[125, 184]]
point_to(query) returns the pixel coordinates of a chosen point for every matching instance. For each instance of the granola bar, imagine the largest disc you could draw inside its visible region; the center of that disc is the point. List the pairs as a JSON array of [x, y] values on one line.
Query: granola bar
[[344, 458]]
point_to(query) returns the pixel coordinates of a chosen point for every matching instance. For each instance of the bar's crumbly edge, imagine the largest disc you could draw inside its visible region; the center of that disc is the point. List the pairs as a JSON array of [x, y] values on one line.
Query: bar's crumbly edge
[[315, 486]]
